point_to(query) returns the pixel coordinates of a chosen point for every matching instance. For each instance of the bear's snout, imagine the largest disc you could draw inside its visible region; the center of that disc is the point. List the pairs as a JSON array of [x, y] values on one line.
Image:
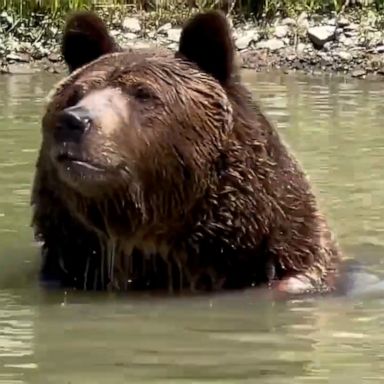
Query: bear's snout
[[72, 123]]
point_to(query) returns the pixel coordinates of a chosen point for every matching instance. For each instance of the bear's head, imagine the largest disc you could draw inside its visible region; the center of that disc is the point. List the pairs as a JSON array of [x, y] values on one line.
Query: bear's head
[[149, 128]]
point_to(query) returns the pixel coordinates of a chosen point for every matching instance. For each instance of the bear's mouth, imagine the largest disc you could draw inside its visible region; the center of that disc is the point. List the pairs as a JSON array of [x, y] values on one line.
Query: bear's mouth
[[69, 160]]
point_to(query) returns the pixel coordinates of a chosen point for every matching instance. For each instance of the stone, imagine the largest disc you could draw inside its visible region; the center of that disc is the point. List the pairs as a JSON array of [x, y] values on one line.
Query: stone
[[131, 24], [320, 35], [246, 38], [142, 45], [19, 57], [271, 44], [343, 22], [359, 73], [173, 46], [302, 21], [281, 31], [374, 39], [351, 27], [346, 41], [327, 46], [4, 69], [380, 49], [164, 28], [54, 57], [130, 36], [291, 57], [37, 54], [346, 56], [300, 48], [288, 21], [173, 34], [350, 33]]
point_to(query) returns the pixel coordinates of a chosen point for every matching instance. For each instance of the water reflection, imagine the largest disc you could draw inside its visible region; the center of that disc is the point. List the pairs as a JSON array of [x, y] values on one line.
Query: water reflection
[[232, 338], [335, 127], [16, 338]]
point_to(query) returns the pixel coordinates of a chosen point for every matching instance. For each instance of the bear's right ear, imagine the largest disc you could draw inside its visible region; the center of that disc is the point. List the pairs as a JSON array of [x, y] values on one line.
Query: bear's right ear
[[206, 40], [85, 39]]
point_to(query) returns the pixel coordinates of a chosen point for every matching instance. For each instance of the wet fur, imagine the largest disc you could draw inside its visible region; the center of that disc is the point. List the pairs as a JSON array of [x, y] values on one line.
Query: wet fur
[[233, 209]]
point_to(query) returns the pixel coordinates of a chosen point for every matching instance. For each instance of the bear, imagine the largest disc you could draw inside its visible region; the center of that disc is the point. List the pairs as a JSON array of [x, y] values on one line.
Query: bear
[[158, 171]]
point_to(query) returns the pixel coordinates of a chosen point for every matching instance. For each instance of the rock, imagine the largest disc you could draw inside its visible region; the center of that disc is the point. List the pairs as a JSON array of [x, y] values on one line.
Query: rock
[[351, 27], [346, 56], [302, 21], [131, 24], [347, 41], [130, 36], [374, 39], [4, 67], [359, 73], [327, 46], [351, 33], [7, 17], [164, 28], [271, 44], [291, 57], [288, 21], [37, 55], [339, 32], [19, 57], [300, 48], [54, 57], [140, 44], [246, 38], [173, 34], [343, 22], [320, 35], [173, 46], [281, 31], [379, 49]]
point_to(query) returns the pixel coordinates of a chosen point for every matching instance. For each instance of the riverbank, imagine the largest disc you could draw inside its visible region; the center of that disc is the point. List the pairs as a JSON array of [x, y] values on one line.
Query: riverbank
[[351, 44]]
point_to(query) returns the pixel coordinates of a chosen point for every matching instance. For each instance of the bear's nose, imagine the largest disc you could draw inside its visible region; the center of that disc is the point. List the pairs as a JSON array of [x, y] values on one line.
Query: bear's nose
[[72, 123]]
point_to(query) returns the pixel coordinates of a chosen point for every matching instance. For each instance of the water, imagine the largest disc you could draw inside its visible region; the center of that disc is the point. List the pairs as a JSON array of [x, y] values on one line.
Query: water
[[335, 127]]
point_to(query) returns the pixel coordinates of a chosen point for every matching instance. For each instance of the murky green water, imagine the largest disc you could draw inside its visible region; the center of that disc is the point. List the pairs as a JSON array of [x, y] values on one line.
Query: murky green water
[[336, 128]]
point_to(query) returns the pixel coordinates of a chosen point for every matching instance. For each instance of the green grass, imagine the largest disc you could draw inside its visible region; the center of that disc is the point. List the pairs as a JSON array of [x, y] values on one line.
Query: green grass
[[25, 8]]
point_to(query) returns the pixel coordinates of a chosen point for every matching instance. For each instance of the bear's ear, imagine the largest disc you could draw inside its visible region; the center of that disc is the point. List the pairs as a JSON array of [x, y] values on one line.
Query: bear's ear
[[206, 40], [85, 39]]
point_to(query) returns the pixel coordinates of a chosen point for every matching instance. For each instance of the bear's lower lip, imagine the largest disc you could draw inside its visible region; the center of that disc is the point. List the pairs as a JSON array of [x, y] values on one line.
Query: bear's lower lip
[[69, 161], [86, 165]]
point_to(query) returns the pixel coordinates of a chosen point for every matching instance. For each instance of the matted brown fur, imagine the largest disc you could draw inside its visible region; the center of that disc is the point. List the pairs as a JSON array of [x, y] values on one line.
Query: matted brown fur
[[196, 188]]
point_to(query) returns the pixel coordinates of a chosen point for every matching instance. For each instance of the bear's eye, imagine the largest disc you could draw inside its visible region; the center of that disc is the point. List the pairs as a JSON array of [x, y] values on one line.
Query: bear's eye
[[142, 93]]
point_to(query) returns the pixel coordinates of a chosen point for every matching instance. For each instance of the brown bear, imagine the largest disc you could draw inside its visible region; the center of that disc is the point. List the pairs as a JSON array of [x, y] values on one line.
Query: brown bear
[[159, 171]]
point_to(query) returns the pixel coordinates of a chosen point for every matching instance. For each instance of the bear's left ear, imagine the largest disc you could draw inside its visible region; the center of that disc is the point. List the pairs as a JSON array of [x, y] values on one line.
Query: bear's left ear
[[206, 40], [85, 39]]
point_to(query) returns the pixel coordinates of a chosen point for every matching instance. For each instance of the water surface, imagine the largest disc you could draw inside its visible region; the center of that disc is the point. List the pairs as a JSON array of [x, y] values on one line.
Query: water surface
[[335, 127]]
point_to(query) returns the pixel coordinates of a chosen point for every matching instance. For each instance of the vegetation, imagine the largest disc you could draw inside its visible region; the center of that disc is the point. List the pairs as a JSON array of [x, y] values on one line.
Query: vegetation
[[24, 8]]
